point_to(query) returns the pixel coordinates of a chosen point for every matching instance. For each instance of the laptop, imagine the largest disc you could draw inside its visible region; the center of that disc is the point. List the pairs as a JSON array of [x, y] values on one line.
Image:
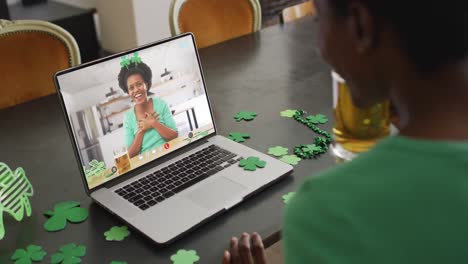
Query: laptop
[[146, 144]]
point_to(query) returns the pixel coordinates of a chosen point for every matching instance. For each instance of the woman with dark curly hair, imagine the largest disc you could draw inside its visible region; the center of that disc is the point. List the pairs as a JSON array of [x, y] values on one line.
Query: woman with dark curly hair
[[149, 123]]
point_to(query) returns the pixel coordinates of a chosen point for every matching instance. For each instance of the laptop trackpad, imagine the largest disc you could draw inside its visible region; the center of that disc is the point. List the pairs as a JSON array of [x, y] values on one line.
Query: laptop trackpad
[[218, 193]]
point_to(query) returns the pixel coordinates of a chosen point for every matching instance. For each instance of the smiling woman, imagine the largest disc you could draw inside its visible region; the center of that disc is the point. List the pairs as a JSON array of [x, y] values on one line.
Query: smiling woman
[[149, 123]]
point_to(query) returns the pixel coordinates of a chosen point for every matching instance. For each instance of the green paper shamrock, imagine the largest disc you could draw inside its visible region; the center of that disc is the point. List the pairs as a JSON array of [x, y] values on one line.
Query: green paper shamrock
[[238, 137], [62, 212], [185, 257], [278, 151], [314, 148], [287, 197], [69, 254], [291, 159], [32, 253], [125, 62], [117, 233], [247, 116], [15, 190], [288, 113], [251, 163], [118, 262], [135, 59], [318, 119]]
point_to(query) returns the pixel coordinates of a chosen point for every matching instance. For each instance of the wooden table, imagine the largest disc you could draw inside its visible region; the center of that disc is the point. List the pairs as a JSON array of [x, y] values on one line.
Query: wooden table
[[267, 72]]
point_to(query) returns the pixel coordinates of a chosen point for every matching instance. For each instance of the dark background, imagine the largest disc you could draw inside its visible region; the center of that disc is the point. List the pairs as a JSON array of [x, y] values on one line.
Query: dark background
[[4, 10]]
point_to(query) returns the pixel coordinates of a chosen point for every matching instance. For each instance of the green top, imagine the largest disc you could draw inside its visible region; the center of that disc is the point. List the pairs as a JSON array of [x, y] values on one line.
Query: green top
[[151, 138], [405, 201]]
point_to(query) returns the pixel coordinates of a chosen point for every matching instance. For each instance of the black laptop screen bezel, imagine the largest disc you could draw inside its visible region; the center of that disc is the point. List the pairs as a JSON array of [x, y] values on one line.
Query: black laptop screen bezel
[[150, 164]]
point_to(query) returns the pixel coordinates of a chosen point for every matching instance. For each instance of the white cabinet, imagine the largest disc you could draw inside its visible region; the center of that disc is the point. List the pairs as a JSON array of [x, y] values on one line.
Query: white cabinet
[[126, 24]]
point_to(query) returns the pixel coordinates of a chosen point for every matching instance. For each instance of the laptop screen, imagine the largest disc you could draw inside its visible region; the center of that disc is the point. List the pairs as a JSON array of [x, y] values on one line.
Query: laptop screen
[[135, 108]]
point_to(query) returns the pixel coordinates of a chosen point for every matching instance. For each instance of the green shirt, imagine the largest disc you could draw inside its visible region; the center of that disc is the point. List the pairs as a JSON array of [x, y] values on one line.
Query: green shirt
[[405, 201], [152, 138]]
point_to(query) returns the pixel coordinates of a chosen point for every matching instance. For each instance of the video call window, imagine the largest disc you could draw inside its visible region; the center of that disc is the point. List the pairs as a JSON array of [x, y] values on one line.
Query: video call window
[[131, 110]]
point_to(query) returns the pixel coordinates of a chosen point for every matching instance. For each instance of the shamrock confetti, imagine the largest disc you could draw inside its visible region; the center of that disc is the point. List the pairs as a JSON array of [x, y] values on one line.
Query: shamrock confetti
[[318, 119], [62, 212], [247, 116], [15, 190], [287, 197], [288, 113], [117, 233], [306, 151], [314, 148], [69, 254], [238, 137], [278, 151], [185, 257], [118, 262], [32, 253], [251, 163], [291, 159]]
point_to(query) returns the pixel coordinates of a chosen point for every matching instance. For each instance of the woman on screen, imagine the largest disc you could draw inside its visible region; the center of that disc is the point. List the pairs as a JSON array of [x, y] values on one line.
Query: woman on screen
[[149, 123]]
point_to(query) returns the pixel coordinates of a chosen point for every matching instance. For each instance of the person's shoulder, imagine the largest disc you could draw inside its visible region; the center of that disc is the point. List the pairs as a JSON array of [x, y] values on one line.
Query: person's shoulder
[[327, 205], [331, 179], [322, 196], [379, 162], [349, 181], [348, 171]]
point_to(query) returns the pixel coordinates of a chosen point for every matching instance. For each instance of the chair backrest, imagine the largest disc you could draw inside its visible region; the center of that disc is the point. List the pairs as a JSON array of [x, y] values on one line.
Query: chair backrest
[[215, 21], [295, 12], [31, 52]]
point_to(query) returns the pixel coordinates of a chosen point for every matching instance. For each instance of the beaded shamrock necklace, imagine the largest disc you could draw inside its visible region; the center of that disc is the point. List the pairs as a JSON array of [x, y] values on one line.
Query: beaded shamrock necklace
[[321, 143]]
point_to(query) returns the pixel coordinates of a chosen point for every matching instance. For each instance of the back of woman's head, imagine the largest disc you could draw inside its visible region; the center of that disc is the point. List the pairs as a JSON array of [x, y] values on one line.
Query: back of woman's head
[[433, 33]]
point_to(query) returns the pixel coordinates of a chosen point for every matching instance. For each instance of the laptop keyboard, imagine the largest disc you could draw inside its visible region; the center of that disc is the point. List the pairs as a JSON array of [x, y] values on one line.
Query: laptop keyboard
[[164, 183]]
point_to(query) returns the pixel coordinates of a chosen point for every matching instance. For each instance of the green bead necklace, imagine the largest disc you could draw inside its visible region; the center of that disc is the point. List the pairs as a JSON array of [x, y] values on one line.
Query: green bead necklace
[[321, 143]]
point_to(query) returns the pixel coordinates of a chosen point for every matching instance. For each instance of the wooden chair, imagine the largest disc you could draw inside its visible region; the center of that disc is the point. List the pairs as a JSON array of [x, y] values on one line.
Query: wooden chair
[[31, 52], [295, 12], [215, 21]]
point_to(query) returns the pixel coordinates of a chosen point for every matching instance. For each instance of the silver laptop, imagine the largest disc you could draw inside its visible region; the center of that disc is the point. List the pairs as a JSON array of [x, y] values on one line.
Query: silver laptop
[[146, 143]]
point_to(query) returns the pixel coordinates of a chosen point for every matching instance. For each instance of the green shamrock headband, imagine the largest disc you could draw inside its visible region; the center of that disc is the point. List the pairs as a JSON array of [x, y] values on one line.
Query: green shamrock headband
[[126, 61]]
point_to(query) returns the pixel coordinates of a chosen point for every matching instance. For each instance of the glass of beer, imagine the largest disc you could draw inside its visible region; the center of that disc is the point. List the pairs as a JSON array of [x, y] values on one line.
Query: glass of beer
[[356, 129], [121, 160]]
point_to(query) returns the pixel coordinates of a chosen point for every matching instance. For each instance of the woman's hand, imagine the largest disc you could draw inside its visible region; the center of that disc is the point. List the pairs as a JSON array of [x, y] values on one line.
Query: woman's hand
[[245, 250], [147, 122]]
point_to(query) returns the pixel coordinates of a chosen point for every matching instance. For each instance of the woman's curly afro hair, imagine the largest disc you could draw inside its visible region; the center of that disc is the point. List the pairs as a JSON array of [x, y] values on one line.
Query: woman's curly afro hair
[[141, 68]]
